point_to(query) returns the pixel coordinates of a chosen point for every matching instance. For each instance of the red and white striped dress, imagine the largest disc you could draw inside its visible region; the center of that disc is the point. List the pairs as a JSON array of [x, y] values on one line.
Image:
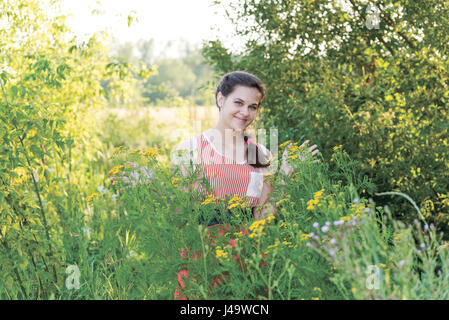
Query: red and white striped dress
[[225, 176]]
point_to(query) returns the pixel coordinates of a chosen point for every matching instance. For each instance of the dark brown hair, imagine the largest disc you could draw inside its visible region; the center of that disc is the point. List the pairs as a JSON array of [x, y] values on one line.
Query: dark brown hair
[[226, 85]]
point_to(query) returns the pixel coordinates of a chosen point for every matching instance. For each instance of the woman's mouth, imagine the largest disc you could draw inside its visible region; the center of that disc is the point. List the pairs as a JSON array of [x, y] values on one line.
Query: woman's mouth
[[240, 119]]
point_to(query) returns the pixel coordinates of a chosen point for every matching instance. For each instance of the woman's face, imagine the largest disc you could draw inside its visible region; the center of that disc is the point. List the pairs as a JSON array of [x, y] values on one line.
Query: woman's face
[[239, 108]]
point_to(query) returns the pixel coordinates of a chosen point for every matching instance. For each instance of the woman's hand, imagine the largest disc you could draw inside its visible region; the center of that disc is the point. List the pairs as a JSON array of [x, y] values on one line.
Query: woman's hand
[[287, 168]]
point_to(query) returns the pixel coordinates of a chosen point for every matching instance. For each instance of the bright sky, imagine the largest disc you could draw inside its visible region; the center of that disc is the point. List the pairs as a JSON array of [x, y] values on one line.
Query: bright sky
[[163, 20]]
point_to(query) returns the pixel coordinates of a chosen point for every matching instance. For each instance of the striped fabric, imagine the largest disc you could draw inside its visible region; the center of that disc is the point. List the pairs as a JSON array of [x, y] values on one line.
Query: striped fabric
[[225, 176]]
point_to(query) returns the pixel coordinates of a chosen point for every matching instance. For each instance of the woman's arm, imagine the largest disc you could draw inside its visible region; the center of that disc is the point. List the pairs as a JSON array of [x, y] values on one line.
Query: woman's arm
[[266, 207], [287, 167]]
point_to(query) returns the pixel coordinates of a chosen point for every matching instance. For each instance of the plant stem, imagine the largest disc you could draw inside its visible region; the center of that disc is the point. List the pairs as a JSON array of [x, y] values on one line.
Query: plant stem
[[405, 196]]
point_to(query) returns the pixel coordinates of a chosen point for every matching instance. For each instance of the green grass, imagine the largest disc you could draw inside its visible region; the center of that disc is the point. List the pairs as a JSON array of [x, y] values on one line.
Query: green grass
[[127, 243]]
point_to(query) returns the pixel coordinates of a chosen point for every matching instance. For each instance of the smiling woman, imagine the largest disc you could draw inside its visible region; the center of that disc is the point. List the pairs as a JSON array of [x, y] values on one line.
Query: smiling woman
[[231, 162]]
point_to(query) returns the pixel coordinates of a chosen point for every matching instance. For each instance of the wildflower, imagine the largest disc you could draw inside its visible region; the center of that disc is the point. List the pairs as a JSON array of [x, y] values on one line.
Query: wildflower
[[284, 144], [337, 147], [401, 263], [281, 201], [311, 204], [383, 265], [174, 181], [315, 201], [325, 229], [423, 246], [316, 225], [135, 151], [209, 199], [398, 236], [333, 241], [339, 222], [114, 197], [356, 200], [236, 201], [293, 149], [276, 243], [93, 195], [130, 165], [152, 153], [316, 289], [257, 228], [318, 193], [115, 170], [346, 218], [305, 236], [130, 254], [102, 190], [117, 149], [221, 254]]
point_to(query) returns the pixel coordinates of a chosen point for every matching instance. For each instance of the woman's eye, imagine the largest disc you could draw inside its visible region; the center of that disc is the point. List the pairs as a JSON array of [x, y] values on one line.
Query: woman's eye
[[239, 103], [254, 108]]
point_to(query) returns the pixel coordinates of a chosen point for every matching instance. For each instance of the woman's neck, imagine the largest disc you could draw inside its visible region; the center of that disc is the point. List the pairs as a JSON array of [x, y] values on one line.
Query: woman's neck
[[228, 136], [228, 141]]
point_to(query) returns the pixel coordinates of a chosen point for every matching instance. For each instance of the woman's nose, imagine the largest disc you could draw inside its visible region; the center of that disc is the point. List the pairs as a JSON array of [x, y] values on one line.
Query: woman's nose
[[245, 111]]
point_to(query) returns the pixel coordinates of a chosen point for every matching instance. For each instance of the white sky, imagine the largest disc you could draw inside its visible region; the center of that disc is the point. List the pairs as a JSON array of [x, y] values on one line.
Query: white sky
[[163, 20]]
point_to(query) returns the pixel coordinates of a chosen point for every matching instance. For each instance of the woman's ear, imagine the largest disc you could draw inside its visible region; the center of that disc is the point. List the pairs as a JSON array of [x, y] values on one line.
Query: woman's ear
[[220, 99]]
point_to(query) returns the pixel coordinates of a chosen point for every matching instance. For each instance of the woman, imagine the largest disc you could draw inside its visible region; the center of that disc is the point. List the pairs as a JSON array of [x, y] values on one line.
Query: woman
[[227, 157]]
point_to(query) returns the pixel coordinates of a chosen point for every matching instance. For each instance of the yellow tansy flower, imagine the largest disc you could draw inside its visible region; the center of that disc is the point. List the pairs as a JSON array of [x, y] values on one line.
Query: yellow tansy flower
[[221, 254], [174, 181], [305, 236], [337, 147], [150, 153], [284, 144], [209, 199], [93, 195], [117, 149], [115, 170]]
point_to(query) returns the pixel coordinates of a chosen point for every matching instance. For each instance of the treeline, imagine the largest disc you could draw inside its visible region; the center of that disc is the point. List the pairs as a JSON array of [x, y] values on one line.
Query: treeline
[[173, 81]]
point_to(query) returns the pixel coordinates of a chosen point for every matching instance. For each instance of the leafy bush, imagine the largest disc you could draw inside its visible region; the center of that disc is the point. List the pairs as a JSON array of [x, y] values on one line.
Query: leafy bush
[[337, 78]]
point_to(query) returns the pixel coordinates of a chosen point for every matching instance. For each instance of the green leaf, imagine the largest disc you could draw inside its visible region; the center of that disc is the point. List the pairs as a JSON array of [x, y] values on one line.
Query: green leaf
[[36, 151]]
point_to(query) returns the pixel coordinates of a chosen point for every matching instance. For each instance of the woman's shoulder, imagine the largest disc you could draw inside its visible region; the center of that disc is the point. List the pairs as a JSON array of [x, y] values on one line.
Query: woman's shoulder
[[187, 144]]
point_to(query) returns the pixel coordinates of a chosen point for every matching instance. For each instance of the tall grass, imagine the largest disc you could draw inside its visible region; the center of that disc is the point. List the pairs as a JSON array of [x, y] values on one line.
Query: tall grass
[[138, 227]]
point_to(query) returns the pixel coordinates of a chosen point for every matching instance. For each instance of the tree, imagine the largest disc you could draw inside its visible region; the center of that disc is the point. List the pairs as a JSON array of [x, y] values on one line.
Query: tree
[[371, 76], [49, 82]]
